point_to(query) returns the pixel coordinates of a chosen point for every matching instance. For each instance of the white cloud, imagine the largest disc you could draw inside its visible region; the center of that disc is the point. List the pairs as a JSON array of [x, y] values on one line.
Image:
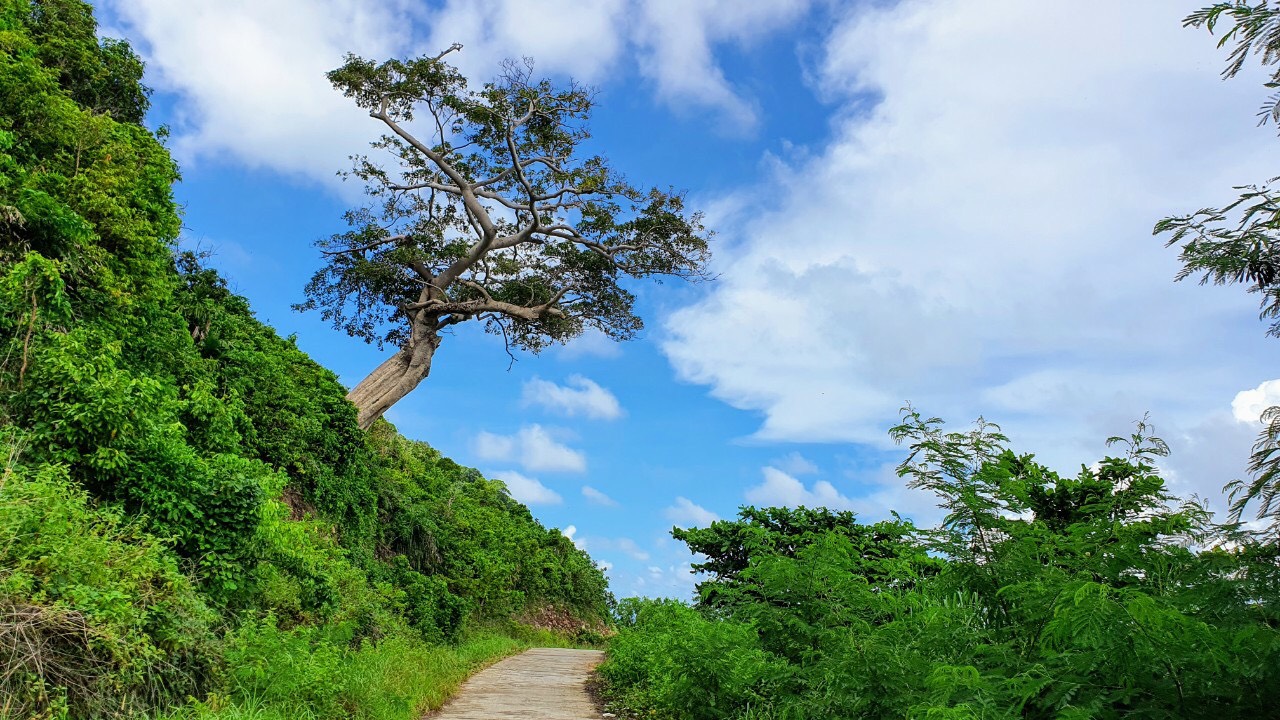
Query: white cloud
[[674, 581], [1206, 456], [781, 490], [595, 496], [678, 38], [490, 446], [250, 74], [578, 396], [687, 513], [533, 447], [980, 239], [528, 490], [574, 37], [1248, 405], [571, 530]]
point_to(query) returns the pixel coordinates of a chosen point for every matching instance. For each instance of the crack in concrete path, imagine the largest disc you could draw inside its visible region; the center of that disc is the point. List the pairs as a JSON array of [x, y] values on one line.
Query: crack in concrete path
[[538, 684]]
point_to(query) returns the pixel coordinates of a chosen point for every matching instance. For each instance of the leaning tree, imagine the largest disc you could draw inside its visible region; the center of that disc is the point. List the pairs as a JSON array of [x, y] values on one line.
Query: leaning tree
[[484, 205]]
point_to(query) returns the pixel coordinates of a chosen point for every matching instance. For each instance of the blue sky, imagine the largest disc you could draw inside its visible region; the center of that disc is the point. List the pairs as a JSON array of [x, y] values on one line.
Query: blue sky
[[947, 202]]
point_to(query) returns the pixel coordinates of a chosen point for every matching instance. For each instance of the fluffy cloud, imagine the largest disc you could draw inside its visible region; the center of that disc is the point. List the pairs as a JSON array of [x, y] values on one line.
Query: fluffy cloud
[[1248, 405], [673, 581], [978, 239], [529, 491], [533, 447], [587, 47], [251, 73], [882, 493], [595, 496], [781, 490], [578, 396], [569, 532], [687, 513]]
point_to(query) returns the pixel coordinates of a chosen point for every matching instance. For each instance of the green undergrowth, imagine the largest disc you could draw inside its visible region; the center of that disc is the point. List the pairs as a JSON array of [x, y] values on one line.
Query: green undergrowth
[[291, 676], [282, 674]]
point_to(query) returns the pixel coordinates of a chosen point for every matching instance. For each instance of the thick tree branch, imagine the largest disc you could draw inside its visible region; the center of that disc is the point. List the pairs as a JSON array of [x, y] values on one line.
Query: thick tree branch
[[476, 307]]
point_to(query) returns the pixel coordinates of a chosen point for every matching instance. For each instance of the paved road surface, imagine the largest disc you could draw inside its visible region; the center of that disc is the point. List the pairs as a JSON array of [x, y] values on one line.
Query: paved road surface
[[539, 684]]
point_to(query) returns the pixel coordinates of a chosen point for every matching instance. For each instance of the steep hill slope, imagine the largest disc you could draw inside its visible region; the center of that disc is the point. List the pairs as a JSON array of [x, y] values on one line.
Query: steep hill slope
[[187, 505]]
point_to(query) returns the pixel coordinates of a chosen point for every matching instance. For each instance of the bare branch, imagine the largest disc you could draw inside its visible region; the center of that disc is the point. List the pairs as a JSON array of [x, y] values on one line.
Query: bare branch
[[369, 246], [469, 199]]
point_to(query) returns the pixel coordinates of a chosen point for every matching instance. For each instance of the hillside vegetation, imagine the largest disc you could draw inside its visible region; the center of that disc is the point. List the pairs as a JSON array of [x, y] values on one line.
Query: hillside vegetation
[[191, 521]]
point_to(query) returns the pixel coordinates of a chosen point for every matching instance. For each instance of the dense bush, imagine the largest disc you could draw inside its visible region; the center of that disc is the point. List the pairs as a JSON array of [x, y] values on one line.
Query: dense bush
[[95, 616], [1040, 596]]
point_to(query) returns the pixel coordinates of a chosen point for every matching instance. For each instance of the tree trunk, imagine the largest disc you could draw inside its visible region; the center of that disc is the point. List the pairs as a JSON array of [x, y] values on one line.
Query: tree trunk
[[393, 379]]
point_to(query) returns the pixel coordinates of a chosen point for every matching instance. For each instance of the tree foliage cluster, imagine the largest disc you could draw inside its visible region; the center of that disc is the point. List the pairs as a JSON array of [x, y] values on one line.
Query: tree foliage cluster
[[185, 495], [1238, 243], [485, 205], [1039, 596]]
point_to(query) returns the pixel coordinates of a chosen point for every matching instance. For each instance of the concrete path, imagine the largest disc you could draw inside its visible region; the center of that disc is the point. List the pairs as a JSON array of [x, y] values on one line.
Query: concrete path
[[538, 684]]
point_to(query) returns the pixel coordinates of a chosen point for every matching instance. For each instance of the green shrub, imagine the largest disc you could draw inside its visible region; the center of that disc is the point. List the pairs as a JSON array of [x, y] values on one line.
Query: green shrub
[[95, 616], [425, 602], [1039, 596], [670, 660]]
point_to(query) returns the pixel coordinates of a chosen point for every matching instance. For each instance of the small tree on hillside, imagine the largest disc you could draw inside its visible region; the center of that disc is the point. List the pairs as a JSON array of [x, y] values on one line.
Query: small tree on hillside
[[490, 210]]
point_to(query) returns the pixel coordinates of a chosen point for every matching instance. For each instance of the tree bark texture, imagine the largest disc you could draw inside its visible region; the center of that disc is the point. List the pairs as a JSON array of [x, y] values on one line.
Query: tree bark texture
[[393, 379]]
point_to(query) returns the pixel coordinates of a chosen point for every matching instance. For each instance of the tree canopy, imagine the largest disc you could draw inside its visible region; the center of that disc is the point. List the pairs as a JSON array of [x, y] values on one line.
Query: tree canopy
[[1238, 243], [1041, 595], [486, 205]]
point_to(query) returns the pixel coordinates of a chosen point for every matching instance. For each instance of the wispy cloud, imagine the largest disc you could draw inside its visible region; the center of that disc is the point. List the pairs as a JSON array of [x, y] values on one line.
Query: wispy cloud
[[685, 512], [794, 463], [595, 496], [579, 396], [624, 545]]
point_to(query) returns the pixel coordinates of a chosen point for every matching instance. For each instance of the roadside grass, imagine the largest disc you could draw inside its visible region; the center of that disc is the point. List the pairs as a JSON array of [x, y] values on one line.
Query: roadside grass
[[396, 679]]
